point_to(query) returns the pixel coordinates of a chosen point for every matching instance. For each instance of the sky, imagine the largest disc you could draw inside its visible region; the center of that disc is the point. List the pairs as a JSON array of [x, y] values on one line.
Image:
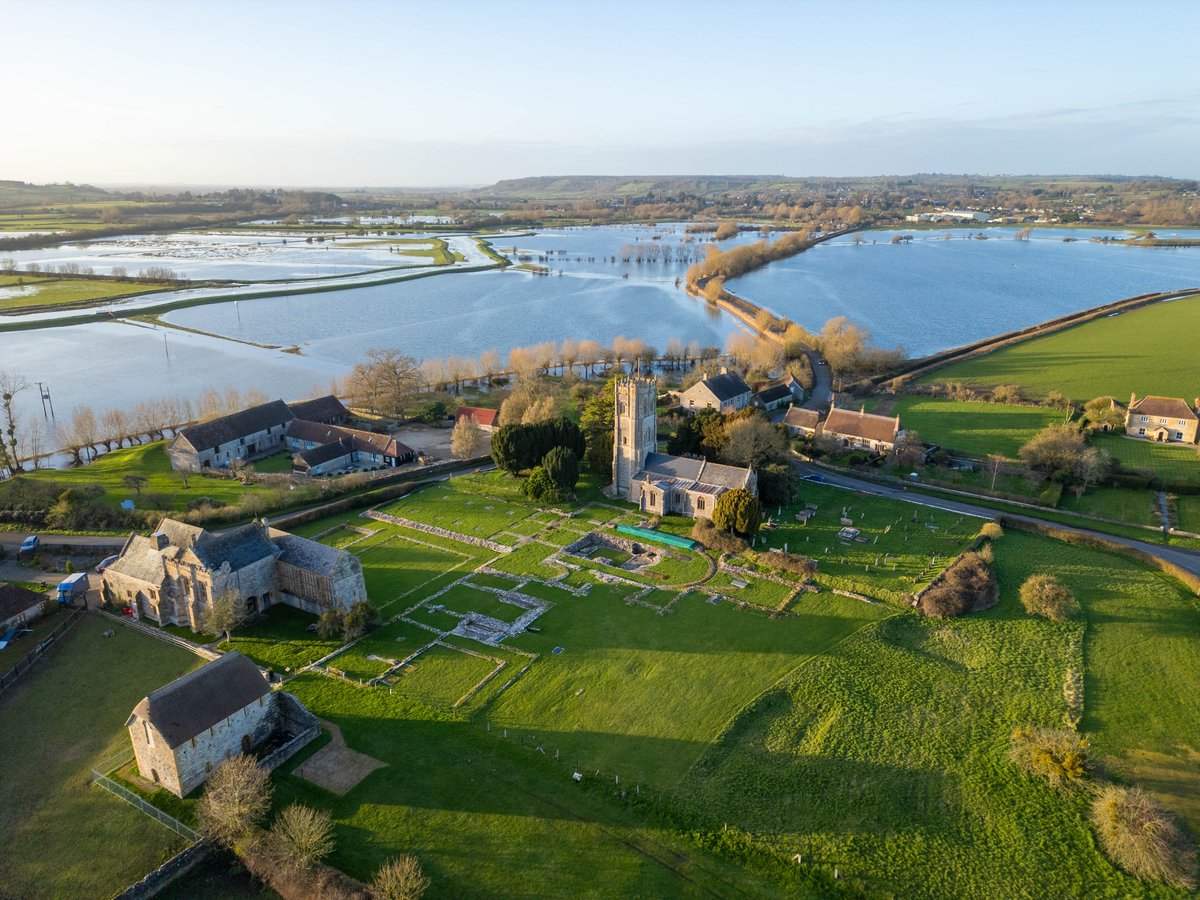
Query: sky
[[350, 93]]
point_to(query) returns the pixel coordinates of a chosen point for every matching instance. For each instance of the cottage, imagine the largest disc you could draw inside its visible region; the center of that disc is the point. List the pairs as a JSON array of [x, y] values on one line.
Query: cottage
[[173, 576], [241, 435], [488, 420], [19, 605], [724, 391], [804, 422], [327, 410], [779, 394], [861, 430], [327, 448], [184, 730], [1161, 419], [658, 483]]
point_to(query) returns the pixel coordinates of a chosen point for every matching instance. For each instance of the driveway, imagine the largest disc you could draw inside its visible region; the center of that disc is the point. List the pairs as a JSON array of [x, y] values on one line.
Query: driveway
[[822, 389]]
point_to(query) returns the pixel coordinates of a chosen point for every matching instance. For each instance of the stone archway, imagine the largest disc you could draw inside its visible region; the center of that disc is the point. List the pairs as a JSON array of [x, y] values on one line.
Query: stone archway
[[252, 604], [247, 743]]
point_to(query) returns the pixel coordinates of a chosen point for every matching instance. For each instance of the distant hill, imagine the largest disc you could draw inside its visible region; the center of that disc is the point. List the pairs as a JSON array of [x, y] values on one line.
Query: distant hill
[[581, 187], [14, 194]]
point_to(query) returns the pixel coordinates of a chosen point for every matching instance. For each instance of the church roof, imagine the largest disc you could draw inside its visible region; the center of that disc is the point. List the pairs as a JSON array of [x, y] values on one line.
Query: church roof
[[199, 700], [692, 474], [305, 554], [141, 560], [240, 547]]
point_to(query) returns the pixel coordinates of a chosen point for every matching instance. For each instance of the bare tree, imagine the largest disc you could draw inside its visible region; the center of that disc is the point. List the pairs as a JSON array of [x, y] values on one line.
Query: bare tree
[[11, 384], [400, 878], [226, 615], [467, 440], [490, 364], [236, 798], [85, 429], [301, 837], [33, 443]]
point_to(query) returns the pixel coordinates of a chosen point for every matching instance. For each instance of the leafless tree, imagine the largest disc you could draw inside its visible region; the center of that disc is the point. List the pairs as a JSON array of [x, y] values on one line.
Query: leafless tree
[[236, 798], [400, 878], [11, 384]]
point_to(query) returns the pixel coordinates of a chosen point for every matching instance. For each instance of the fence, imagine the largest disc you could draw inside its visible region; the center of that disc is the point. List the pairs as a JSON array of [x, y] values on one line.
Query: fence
[[9, 678], [152, 811]]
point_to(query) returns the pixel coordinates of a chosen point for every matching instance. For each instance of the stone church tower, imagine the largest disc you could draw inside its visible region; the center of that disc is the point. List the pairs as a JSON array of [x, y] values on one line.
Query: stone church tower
[[635, 429]]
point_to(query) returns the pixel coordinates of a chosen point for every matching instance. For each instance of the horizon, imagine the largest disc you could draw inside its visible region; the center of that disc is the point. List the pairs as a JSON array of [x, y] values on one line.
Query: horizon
[[383, 95]]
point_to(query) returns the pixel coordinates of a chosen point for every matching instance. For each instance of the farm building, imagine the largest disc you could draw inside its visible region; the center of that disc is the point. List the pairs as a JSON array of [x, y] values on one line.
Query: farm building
[[487, 419], [658, 483], [19, 605], [779, 394], [173, 576], [723, 391], [1161, 419], [241, 435], [184, 730], [327, 448]]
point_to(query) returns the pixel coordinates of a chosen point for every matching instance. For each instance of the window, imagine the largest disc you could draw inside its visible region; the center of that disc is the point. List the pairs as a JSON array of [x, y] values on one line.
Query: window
[[1141, 431], [1181, 423], [1145, 418], [699, 503], [193, 742], [651, 499], [149, 735], [1162, 421]]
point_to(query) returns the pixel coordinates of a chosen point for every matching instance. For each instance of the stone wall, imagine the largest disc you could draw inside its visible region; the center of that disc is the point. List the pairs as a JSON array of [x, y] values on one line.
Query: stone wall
[[294, 719], [175, 867]]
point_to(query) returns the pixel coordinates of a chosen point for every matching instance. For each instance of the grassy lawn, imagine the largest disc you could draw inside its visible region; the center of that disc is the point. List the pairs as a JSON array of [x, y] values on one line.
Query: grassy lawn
[[164, 485], [1175, 463], [464, 599], [281, 640], [455, 508], [1187, 513], [399, 571], [23, 645], [972, 427], [79, 841], [1108, 356], [19, 291], [393, 641], [887, 756], [1135, 506]]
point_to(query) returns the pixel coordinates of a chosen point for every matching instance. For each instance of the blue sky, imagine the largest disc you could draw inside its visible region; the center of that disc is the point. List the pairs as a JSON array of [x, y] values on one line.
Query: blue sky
[[362, 93]]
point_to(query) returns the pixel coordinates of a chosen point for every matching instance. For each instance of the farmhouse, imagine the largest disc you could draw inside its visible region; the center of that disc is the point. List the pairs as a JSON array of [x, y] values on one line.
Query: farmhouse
[[1162, 419], [182, 731], [488, 420], [326, 448], [658, 483], [18, 605], [724, 391], [861, 430], [802, 421], [173, 576]]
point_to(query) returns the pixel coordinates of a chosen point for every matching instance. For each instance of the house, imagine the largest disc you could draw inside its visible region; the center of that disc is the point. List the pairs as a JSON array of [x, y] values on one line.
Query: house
[[240, 435], [658, 483], [173, 576], [723, 391], [19, 605], [488, 420], [326, 448], [861, 430], [1161, 419], [184, 730], [802, 421], [779, 394], [327, 410]]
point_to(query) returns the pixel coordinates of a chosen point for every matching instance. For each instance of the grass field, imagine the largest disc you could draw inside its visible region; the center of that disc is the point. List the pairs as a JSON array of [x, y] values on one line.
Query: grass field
[[1108, 356], [1127, 505], [972, 427], [281, 640], [20, 291], [452, 506], [62, 837], [1176, 463]]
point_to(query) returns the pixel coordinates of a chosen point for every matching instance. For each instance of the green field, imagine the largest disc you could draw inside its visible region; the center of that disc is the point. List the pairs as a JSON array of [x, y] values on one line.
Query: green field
[[973, 427], [21, 291], [1174, 463], [453, 506], [78, 840], [1108, 356]]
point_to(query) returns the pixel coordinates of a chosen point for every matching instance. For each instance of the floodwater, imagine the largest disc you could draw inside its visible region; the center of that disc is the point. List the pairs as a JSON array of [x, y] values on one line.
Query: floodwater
[[933, 294]]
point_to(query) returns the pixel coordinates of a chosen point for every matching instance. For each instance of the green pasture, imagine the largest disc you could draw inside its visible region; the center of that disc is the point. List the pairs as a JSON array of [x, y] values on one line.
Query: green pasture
[[1117, 355], [1174, 463], [973, 427], [455, 507], [63, 718], [21, 291]]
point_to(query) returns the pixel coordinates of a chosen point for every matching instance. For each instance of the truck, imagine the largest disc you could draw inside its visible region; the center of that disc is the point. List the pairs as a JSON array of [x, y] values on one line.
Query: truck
[[73, 589]]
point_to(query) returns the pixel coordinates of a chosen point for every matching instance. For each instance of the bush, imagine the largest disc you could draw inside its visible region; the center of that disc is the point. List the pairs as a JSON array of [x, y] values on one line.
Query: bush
[[1143, 838], [966, 586], [790, 562], [1046, 596], [705, 533], [1057, 754], [400, 878], [992, 531], [738, 511]]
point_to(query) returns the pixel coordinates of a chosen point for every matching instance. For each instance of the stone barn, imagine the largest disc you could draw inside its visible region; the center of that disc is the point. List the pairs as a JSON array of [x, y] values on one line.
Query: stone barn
[[184, 730]]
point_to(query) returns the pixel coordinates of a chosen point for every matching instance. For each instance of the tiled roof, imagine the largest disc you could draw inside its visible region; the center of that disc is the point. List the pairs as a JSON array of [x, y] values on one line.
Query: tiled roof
[[693, 474], [856, 423], [15, 599], [141, 560], [482, 416], [774, 393], [363, 441], [1162, 407], [207, 435], [305, 554], [323, 409], [326, 453], [802, 418], [199, 700]]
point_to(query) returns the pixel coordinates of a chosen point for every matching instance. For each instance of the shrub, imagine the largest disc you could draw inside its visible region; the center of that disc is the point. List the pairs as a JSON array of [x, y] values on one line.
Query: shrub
[[1057, 754], [1046, 596], [400, 878], [992, 531], [301, 837], [967, 585], [705, 533], [562, 467], [539, 486], [790, 562], [738, 511], [1143, 838], [235, 800]]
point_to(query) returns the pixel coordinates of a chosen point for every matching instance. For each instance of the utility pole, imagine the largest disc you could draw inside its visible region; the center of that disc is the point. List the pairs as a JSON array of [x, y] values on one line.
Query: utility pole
[[44, 393]]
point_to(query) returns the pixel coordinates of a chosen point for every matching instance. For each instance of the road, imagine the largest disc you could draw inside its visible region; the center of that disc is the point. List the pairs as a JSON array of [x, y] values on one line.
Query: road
[[1188, 560], [13, 539], [822, 388]]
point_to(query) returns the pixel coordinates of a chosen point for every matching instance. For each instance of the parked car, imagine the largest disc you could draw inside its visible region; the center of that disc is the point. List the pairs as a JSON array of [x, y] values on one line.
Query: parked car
[[814, 478], [30, 543], [105, 563]]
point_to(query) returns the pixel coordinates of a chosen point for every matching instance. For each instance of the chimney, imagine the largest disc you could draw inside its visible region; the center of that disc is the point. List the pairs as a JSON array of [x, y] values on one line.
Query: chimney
[[1132, 398], [724, 370], [160, 540]]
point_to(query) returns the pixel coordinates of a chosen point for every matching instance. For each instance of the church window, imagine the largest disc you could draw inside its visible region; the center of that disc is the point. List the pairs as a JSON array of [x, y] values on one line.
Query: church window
[[699, 503], [149, 734]]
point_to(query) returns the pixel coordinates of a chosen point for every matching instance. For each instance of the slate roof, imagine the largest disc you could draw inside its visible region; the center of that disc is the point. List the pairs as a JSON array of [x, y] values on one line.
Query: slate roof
[[140, 559], [726, 386], [305, 554], [856, 423], [207, 435], [1162, 407], [199, 700], [240, 548], [15, 599], [323, 409], [326, 453], [774, 393], [802, 418], [363, 441], [692, 474], [487, 418]]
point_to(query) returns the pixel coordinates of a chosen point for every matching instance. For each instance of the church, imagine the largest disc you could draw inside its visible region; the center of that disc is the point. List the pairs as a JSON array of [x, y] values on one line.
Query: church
[[658, 483]]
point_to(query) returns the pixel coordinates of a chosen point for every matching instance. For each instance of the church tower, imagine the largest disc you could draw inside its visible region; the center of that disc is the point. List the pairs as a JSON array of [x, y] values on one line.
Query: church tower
[[635, 429]]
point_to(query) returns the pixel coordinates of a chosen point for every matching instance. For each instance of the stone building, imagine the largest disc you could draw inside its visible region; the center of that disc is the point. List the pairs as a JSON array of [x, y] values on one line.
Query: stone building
[[661, 484], [723, 391], [1161, 419], [802, 421], [324, 448], [778, 394], [241, 435], [861, 430], [184, 730], [173, 576]]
